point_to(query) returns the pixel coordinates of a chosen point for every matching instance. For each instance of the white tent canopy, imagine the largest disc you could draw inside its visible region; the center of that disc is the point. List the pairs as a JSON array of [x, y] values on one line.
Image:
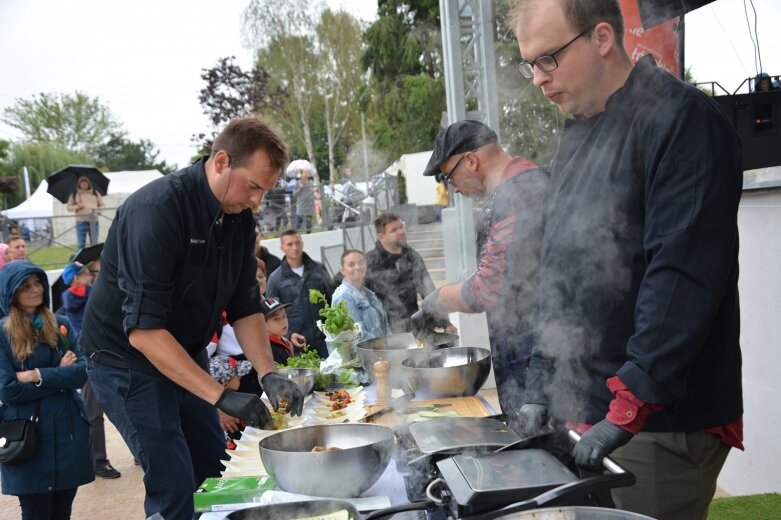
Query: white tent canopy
[[39, 205]]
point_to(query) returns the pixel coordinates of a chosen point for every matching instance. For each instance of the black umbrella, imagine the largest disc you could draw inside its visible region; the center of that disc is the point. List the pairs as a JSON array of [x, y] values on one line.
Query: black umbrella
[[654, 12], [63, 182], [85, 255]]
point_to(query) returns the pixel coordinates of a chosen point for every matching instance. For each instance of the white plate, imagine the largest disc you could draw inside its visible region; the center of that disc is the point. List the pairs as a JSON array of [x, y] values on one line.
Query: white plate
[[243, 454], [322, 410], [351, 415]]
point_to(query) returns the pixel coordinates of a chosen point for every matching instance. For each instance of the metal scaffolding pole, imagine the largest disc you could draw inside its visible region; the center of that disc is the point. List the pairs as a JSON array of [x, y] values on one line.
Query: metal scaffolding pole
[[470, 85]]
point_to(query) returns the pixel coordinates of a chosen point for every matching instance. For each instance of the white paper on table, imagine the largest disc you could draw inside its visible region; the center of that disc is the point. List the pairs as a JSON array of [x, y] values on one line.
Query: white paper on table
[[360, 503]]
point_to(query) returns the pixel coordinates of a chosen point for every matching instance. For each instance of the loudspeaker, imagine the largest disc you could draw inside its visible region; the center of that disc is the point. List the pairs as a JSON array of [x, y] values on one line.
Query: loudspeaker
[[757, 118]]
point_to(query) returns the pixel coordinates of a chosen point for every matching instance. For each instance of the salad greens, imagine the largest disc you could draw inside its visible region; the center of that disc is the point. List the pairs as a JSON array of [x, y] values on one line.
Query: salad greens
[[310, 359], [337, 317]]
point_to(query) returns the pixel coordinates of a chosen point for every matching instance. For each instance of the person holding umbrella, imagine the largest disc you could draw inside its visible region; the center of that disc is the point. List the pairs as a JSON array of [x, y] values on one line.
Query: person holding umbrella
[[85, 202]]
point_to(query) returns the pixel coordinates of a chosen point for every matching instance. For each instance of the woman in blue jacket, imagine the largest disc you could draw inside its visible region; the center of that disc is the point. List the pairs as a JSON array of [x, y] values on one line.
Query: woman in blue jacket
[[40, 369], [363, 305]]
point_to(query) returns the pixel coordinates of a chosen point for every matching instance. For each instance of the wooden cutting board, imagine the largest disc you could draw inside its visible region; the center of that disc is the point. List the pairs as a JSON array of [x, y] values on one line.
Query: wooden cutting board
[[466, 406]]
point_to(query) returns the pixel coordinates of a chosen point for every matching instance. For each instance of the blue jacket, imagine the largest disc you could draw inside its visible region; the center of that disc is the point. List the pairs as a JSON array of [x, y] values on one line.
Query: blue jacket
[[365, 308], [292, 289], [63, 457]]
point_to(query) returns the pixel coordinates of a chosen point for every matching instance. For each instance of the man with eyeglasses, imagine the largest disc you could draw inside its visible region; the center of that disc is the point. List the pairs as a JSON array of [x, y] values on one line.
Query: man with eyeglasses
[[179, 252], [639, 317], [467, 155]]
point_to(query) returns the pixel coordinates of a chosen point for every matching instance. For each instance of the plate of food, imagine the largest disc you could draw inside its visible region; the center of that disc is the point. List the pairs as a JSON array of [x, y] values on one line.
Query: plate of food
[[355, 394]]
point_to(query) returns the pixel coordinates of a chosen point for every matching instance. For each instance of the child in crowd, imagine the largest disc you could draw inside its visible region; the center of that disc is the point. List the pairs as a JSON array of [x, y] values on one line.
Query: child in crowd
[[74, 299], [228, 372], [277, 327]]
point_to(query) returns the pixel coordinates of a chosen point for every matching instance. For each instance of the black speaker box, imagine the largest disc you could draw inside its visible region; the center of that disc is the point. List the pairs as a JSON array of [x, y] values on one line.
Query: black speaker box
[[757, 118]]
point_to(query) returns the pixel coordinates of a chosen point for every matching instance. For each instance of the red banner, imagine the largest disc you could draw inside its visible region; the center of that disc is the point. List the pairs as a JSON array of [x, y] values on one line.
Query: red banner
[[660, 41]]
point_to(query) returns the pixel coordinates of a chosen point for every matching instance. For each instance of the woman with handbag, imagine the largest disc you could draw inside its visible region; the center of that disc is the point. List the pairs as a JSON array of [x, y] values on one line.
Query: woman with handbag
[[40, 370]]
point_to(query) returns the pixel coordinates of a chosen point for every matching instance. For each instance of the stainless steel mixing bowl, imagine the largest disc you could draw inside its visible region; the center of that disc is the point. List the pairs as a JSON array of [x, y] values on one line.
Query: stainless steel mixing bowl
[[449, 372], [303, 377], [394, 349], [365, 450]]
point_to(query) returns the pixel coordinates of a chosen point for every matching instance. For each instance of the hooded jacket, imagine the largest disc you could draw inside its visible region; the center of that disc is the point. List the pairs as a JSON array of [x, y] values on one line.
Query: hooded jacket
[[89, 199], [63, 454]]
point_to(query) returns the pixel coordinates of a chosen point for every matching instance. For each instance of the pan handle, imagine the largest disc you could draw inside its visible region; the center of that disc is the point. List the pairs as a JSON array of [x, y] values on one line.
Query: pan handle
[[410, 506], [609, 464]]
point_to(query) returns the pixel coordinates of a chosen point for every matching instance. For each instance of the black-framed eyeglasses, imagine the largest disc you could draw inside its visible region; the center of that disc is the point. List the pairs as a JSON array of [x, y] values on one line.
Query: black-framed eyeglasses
[[546, 63], [446, 178]]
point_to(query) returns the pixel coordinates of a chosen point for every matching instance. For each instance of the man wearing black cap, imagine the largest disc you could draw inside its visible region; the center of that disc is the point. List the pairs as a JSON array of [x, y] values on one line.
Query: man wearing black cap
[[468, 157]]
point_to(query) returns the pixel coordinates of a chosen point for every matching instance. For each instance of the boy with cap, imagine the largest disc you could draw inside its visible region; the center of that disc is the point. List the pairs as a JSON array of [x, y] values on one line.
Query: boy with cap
[[468, 157], [74, 299], [228, 372], [277, 326]]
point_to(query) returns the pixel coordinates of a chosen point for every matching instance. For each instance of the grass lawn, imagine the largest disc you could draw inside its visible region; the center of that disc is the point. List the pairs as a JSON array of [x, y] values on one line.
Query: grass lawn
[[753, 507], [54, 257]]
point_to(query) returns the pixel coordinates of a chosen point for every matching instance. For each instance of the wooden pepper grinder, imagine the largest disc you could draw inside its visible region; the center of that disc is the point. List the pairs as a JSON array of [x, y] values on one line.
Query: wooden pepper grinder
[[382, 378]]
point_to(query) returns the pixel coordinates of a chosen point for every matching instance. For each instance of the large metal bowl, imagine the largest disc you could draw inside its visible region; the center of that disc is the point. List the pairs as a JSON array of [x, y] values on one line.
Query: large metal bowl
[[348, 472], [394, 349], [450, 372], [304, 378]]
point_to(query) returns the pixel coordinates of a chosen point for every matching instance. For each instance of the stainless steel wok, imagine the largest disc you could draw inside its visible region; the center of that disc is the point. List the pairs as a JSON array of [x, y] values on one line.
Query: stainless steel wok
[[364, 452]]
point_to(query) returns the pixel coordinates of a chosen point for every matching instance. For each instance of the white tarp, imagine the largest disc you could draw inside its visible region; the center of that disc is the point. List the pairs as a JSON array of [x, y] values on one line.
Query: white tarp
[[129, 182], [420, 190], [39, 205]]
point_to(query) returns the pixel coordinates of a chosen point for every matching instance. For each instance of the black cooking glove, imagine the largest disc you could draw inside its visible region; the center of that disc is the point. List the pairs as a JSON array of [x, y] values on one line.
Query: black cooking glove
[[533, 419], [277, 387], [431, 315], [599, 442], [247, 407]]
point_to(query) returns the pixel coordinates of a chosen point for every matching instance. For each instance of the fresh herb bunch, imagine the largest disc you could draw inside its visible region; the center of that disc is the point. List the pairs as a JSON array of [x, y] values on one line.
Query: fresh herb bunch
[[308, 358], [337, 318]]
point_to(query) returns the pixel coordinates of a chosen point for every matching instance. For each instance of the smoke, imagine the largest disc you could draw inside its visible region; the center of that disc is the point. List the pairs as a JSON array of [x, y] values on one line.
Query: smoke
[[586, 280], [365, 161]]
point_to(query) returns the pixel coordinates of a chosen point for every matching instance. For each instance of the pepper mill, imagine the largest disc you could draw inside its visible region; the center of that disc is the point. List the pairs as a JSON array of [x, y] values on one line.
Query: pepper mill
[[382, 378]]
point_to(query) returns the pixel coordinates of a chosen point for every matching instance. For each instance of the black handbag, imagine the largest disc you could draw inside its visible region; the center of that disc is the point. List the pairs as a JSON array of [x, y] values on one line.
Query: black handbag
[[18, 439]]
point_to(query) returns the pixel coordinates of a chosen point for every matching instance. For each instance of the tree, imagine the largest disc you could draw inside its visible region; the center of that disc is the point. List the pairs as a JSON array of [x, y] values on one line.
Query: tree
[[407, 91], [76, 122], [121, 154], [283, 35], [41, 160], [231, 92], [340, 76]]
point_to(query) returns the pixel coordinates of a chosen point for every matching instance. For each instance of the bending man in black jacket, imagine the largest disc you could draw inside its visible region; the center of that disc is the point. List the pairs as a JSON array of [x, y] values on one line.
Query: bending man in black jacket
[[181, 250], [639, 325]]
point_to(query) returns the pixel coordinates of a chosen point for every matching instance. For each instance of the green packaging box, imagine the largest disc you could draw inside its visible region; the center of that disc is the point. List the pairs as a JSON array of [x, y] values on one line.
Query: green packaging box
[[219, 494]]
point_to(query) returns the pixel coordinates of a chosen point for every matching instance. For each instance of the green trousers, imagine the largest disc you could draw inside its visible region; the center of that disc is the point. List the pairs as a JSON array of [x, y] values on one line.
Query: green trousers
[[676, 474]]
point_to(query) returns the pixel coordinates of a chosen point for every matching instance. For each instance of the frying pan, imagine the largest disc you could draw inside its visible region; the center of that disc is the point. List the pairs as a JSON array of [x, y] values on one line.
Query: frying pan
[[316, 508]]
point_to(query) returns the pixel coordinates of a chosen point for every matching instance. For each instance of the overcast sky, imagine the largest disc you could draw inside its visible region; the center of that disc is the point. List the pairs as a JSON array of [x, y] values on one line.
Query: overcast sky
[[144, 58]]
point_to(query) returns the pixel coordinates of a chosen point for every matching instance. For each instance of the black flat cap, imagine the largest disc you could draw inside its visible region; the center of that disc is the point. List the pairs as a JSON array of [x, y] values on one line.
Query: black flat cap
[[463, 136]]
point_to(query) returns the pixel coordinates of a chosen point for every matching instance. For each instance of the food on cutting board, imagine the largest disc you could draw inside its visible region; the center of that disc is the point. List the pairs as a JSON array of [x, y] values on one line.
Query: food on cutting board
[[426, 415]]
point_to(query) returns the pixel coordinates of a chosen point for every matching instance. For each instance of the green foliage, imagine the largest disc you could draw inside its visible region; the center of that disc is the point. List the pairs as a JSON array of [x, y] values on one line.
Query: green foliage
[[757, 507], [337, 318], [307, 359], [41, 159], [402, 187], [121, 154], [406, 117], [407, 92], [77, 122]]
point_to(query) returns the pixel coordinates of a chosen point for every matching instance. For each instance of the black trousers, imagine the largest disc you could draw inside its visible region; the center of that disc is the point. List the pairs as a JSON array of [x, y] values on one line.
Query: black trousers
[[48, 506]]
